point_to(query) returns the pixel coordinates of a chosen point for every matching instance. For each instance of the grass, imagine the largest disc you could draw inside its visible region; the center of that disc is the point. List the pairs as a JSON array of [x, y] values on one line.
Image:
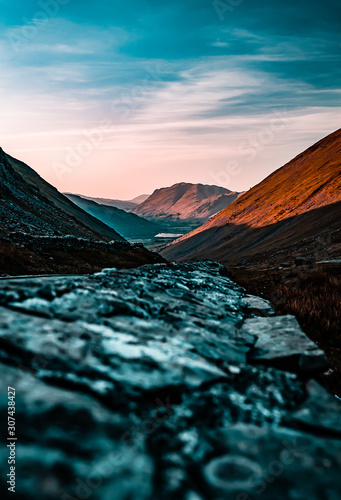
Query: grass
[[316, 301], [313, 295]]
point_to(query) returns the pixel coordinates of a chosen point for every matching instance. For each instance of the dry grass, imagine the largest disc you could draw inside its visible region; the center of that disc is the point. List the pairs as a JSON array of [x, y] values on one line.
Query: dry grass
[[16, 261], [314, 297], [315, 300]]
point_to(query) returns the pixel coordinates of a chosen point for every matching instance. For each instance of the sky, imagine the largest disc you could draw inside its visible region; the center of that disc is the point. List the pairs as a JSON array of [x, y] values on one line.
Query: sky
[[115, 99]]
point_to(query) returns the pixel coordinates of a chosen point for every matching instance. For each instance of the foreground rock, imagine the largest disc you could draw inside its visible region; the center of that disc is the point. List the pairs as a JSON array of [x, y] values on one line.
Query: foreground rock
[[163, 383]]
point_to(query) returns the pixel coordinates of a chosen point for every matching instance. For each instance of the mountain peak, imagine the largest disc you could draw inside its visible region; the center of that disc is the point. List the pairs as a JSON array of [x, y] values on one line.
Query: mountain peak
[[186, 200]]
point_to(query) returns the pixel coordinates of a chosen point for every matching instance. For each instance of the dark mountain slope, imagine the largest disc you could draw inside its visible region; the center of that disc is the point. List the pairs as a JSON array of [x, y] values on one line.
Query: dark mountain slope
[[122, 204], [129, 225], [30, 204]]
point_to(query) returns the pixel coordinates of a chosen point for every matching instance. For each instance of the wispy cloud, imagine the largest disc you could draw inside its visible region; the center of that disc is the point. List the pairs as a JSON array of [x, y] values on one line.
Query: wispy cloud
[[180, 89]]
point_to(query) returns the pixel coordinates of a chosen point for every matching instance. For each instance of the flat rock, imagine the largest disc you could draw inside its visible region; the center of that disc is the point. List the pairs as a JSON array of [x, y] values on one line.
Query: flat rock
[[280, 340], [258, 306]]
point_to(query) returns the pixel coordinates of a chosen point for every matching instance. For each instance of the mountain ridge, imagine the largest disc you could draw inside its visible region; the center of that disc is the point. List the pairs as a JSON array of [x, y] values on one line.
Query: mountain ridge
[[121, 204], [48, 210], [186, 201]]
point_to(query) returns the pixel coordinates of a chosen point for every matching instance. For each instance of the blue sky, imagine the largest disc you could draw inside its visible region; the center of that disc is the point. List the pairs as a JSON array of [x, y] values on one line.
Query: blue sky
[[114, 98]]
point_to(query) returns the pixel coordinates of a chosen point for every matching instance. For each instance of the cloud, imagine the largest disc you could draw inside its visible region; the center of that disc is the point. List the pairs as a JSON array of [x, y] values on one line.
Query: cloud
[[174, 80]]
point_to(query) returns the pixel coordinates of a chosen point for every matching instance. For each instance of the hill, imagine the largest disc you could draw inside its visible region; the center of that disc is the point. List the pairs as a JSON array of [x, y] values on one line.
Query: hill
[[129, 225], [140, 199], [296, 211], [42, 231], [186, 201], [122, 204]]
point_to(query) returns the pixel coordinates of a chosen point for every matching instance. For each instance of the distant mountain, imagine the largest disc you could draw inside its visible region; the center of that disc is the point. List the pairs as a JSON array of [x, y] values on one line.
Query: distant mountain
[[129, 225], [122, 204], [186, 201], [43, 231], [140, 199], [295, 211]]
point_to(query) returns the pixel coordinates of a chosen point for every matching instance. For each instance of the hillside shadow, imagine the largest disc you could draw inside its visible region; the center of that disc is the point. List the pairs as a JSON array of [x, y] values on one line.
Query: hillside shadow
[[315, 233]]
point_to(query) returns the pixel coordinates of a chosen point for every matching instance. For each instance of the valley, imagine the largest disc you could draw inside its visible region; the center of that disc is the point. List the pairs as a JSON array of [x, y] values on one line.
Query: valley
[[176, 341], [170, 250]]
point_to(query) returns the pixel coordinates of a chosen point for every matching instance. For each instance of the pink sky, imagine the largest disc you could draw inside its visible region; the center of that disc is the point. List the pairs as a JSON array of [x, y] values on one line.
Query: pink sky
[[132, 158]]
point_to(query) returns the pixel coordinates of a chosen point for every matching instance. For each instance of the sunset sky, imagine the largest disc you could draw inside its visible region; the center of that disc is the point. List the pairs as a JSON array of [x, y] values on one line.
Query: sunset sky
[[115, 99]]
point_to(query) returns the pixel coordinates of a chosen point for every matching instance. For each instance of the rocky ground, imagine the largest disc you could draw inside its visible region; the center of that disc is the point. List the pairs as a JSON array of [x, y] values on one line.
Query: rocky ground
[[163, 382]]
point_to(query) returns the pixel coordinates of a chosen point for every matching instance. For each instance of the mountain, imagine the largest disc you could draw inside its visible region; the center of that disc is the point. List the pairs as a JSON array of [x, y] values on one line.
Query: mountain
[[43, 231], [129, 225], [186, 201], [296, 211], [140, 199], [29, 204], [122, 204]]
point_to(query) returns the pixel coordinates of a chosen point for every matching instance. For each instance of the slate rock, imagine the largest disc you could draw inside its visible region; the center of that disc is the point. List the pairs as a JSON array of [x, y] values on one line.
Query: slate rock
[[280, 340]]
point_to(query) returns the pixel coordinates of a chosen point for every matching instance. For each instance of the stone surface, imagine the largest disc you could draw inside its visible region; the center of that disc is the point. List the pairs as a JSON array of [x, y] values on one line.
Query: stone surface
[[163, 382], [259, 306], [280, 339]]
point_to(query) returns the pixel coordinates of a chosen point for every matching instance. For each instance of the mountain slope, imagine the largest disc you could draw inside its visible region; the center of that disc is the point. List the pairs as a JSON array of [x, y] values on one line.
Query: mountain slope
[[122, 204], [140, 199], [29, 204], [129, 225], [186, 201], [42, 231], [283, 215]]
